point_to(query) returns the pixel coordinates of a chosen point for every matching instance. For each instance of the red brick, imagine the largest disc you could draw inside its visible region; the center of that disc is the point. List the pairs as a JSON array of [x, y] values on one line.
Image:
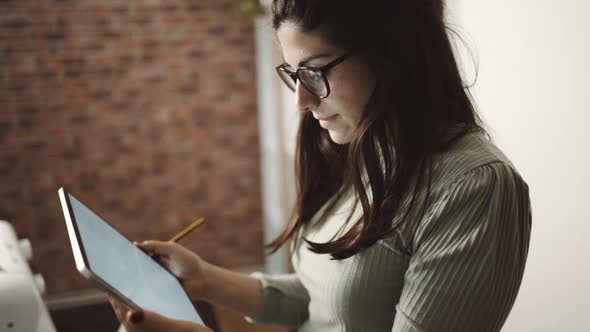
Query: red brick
[[145, 112]]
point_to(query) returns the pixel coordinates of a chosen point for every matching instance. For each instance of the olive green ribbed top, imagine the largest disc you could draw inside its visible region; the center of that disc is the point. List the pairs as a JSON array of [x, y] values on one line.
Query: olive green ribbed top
[[459, 271]]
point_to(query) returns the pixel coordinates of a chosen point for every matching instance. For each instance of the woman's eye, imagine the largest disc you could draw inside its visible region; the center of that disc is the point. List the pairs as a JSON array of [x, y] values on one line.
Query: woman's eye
[[316, 77]]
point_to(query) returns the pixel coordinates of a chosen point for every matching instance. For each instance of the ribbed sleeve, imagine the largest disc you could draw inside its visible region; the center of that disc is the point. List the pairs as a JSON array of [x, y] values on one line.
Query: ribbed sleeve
[[284, 300], [469, 255]]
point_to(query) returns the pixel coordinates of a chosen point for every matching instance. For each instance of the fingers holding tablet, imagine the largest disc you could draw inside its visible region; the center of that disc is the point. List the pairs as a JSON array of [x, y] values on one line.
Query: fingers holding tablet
[[135, 320], [158, 248], [179, 260], [124, 314]]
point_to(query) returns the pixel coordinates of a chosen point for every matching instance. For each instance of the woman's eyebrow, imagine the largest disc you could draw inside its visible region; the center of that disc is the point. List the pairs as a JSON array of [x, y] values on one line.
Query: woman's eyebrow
[[306, 60]]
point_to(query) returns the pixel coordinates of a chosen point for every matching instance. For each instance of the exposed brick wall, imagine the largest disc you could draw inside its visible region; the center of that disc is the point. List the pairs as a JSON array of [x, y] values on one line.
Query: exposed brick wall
[[145, 110]]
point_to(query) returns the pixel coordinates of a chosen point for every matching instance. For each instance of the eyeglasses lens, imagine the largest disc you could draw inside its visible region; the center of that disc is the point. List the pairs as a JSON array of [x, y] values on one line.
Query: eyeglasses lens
[[285, 77], [314, 82]]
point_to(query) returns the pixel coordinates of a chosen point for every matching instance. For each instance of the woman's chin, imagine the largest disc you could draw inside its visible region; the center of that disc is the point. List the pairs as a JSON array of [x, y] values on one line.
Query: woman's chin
[[339, 137]]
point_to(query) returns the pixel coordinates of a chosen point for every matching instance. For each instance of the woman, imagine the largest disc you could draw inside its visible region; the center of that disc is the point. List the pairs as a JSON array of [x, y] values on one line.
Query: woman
[[408, 218]]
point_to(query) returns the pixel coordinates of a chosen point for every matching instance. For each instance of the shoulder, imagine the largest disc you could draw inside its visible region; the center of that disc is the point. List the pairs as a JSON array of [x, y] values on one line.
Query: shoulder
[[474, 168], [466, 157], [473, 186]]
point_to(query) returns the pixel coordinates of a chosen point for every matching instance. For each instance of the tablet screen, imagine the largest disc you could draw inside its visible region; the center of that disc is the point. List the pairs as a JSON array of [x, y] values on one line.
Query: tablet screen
[[129, 270]]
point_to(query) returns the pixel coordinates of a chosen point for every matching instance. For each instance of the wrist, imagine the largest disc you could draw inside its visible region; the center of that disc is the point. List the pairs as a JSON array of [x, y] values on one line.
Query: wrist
[[199, 287]]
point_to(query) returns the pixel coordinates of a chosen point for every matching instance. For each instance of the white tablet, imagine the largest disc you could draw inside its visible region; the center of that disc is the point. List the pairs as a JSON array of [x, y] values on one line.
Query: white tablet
[[117, 266]]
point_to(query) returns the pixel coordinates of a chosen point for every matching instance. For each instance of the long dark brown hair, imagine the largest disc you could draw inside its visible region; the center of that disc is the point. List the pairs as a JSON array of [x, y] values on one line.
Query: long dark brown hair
[[418, 100]]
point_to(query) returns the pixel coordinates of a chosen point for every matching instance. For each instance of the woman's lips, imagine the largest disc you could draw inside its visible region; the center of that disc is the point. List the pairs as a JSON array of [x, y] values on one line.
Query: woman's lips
[[328, 118], [328, 122]]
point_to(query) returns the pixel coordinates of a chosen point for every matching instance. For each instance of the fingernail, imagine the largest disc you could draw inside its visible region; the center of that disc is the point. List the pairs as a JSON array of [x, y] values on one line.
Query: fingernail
[[136, 317]]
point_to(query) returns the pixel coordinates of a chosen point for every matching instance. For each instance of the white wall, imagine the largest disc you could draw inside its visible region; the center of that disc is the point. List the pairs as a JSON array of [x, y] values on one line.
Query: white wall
[[278, 120], [533, 90]]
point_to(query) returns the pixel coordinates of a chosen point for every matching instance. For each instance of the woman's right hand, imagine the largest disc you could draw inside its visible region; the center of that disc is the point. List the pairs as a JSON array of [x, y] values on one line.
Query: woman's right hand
[[184, 263], [208, 282]]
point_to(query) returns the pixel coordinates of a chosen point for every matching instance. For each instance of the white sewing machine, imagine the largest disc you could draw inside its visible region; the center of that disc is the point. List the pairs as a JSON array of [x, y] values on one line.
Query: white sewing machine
[[21, 306]]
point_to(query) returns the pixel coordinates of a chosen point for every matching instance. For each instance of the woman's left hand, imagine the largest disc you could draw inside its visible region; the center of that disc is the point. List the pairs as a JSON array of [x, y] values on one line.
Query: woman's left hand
[[136, 320]]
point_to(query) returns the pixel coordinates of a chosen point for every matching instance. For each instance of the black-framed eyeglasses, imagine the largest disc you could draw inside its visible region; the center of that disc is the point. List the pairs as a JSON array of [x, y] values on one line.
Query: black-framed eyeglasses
[[313, 79]]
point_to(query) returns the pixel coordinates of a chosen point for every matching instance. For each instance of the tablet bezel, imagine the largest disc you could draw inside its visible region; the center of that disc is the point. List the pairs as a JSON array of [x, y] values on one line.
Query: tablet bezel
[[81, 259]]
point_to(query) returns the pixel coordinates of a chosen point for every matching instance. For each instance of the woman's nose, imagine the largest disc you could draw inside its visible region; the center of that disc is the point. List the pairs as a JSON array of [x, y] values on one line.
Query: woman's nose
[[304, 99]]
